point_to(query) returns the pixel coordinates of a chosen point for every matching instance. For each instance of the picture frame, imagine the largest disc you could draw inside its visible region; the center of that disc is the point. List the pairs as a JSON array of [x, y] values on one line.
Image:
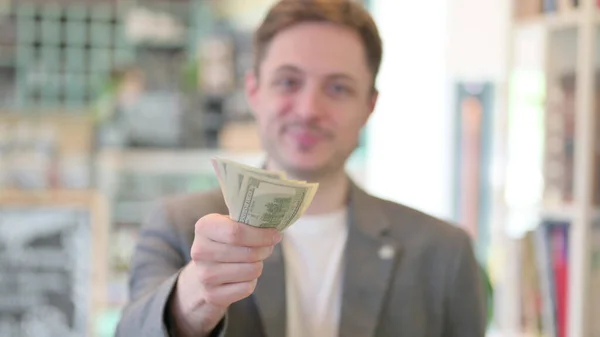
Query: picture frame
[[473, 148]]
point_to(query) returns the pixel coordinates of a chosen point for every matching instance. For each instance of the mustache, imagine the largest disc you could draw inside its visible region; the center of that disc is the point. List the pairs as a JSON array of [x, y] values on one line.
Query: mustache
[[308, 127]]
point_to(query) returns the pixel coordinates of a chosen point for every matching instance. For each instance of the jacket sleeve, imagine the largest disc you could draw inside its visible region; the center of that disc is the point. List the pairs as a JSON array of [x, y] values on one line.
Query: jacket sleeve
[[466, 314], [155, 266]]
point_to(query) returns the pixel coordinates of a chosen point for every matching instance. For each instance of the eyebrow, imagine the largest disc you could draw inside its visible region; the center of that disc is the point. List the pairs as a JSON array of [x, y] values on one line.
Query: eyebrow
[[294, 69]]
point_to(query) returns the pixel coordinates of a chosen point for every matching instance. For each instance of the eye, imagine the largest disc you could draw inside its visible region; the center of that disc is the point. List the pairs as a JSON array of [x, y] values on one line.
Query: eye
[[287, 83], [337, 89]]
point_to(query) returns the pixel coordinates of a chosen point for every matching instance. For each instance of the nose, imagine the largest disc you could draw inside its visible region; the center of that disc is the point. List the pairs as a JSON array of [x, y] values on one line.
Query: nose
[[310, 103]]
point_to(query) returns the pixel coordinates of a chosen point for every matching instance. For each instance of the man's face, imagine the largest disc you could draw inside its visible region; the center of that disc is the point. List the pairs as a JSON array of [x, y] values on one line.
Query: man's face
[[311, 98]]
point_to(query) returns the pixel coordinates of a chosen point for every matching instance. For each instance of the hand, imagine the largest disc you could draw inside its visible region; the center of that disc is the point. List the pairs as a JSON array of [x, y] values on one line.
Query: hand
[[227, 259]]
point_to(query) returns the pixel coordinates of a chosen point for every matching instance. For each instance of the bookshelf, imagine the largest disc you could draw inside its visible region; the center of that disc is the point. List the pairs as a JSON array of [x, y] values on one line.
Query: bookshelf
[[550, 203]]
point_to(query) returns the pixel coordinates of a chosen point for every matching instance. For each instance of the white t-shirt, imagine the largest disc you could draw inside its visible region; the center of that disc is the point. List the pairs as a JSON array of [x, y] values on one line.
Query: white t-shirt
[[313, 251]]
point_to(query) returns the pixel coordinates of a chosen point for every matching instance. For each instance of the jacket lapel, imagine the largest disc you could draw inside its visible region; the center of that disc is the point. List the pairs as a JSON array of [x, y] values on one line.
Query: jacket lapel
[[369, 262], [270, 295]]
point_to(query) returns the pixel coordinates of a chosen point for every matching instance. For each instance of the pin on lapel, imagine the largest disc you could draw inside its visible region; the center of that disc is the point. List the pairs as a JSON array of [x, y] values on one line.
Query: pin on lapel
[[386, 252]]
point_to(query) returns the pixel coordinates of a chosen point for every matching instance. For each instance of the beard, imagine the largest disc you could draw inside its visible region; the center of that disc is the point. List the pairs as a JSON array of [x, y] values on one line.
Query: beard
[[331, 166]]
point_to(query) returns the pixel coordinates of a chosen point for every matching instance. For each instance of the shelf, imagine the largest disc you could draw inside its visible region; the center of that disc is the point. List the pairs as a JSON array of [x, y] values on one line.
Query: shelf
[[554, 21], [48, 197], [563, 212], [173, 161], [500, 333], [187, 161]]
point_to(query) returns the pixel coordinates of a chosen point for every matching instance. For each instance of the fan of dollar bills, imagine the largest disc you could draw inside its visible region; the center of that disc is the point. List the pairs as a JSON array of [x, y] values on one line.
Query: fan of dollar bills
[[262, 198]]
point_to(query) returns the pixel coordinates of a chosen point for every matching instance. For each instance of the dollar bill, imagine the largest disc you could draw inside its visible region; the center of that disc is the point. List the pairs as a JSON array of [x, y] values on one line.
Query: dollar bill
[[271, 203], [231, 175], [221, 177], [262, 198]]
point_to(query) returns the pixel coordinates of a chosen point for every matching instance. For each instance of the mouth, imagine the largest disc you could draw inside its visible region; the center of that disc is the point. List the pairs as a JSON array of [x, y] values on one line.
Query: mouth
[[305, 138]]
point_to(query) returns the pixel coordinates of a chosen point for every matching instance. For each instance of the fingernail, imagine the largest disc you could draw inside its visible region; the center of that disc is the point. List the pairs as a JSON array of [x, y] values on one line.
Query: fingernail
[[276, 237]]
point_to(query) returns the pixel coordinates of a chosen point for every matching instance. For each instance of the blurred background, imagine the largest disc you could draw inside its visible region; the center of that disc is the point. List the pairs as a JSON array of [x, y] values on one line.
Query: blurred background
[[487, 118]]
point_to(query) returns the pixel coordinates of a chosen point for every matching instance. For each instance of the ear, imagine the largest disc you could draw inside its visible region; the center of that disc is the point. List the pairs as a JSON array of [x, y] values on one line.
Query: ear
[[372, 102], [251, 89]]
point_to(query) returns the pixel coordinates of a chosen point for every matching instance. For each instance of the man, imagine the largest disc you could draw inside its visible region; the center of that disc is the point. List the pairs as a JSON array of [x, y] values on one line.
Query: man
[[353, 265]]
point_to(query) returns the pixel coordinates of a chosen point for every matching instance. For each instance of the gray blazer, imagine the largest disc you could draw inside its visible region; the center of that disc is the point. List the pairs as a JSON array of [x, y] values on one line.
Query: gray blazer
[[407, 274]]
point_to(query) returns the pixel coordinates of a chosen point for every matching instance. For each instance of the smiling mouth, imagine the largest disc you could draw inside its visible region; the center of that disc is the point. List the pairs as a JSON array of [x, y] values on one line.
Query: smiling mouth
[[305, 137]]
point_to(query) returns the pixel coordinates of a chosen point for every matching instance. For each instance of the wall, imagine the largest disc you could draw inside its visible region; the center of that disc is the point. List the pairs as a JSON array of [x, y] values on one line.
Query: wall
[[477, 38], [427, 46], [408, 149]]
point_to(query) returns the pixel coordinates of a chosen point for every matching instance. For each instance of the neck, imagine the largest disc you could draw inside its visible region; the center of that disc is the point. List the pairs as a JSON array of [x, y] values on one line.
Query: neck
[[332, 194]]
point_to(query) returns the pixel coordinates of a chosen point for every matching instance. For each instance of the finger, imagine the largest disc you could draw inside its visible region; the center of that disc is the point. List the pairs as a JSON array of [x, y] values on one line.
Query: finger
[[222, 229], [213, 275], [207, 250], [229, 293]]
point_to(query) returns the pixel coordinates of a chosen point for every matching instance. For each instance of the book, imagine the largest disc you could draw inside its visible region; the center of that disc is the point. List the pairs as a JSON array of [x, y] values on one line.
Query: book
[[527, 8], [561, 142], [544, 279], [550, 6]]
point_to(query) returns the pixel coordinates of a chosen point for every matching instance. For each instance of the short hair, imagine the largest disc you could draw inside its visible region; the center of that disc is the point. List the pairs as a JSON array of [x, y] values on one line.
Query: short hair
[[347, 13]]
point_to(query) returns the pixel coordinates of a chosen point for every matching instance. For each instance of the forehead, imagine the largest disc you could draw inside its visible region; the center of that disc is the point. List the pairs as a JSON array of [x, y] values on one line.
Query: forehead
[[318, 49]]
